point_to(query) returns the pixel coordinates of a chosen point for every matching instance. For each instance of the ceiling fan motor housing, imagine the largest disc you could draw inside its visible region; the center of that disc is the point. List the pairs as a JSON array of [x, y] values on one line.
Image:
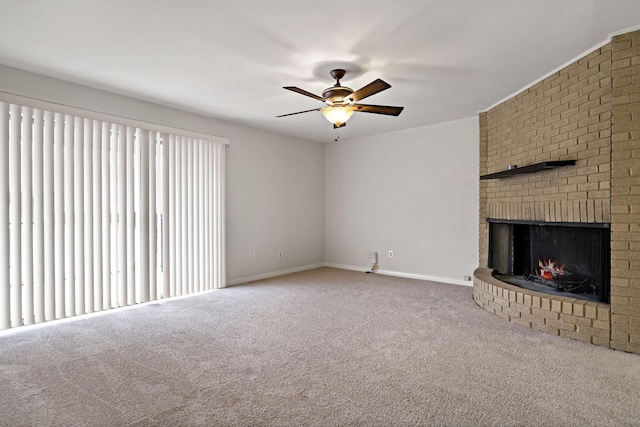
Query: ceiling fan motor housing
[[336, 94]]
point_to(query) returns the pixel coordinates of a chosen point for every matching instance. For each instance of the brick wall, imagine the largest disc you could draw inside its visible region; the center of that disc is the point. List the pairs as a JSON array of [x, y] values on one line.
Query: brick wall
[[589, 112], [625, 193], [565, 116]]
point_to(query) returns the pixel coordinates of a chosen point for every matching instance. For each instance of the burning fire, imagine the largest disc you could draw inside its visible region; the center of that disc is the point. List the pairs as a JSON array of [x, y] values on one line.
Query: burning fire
[[550, 270]]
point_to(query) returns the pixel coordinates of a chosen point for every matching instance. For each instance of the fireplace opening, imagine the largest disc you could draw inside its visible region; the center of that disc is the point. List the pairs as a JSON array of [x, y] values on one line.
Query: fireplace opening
[[570, 259]]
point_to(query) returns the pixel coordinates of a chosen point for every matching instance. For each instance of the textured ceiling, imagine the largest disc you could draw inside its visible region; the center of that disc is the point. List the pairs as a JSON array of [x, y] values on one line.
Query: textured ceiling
[[446, 60]]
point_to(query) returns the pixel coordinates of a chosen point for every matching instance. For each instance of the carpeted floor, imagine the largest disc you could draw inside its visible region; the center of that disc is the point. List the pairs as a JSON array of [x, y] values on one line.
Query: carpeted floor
[[324, 347]]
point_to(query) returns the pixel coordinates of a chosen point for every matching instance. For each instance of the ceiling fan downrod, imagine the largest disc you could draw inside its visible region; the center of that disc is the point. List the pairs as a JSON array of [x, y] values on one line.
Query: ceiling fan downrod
[[337, 74]]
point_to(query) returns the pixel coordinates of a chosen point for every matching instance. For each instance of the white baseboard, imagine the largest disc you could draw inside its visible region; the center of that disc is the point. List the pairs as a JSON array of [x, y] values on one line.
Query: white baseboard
[[346, 267], [401, 274], [423, 277], [248, 279]]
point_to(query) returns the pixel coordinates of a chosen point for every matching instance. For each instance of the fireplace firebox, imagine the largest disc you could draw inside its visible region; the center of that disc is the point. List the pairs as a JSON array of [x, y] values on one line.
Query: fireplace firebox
[[570, 259]]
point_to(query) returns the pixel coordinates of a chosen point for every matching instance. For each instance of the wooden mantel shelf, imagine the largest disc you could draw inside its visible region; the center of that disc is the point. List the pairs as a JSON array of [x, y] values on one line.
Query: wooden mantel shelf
[[529, 169]]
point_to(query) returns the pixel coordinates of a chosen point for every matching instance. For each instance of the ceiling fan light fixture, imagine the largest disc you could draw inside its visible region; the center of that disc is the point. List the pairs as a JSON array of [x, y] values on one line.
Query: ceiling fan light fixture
[[337, 114]]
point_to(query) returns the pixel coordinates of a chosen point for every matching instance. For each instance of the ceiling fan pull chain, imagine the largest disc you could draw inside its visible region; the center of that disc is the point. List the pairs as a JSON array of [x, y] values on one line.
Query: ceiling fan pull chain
[[337, 135]]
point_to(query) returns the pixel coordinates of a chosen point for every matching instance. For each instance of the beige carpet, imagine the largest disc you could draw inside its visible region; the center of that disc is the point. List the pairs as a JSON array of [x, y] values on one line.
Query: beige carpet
[[320, 348]]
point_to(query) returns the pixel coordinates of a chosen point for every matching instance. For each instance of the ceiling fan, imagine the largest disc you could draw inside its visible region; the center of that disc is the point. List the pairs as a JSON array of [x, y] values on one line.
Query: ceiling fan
[[341, 100]]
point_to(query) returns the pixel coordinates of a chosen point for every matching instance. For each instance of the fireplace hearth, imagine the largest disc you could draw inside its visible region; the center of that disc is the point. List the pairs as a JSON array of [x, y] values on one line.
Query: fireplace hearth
[[568, 259]]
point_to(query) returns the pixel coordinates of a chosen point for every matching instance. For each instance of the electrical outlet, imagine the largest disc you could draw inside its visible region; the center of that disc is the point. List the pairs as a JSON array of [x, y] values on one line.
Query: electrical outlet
[[390, 254], [467, 278], [373, 257], [280, 255]]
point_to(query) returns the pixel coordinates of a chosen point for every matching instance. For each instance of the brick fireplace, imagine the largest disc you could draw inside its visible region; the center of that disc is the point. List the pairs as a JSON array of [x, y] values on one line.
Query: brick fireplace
[[587, 112]]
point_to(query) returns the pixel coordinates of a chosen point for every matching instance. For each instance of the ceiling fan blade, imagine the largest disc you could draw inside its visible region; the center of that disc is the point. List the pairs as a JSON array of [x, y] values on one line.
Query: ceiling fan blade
[[370, 89], [303, 92], [299, 112], [378, 109]]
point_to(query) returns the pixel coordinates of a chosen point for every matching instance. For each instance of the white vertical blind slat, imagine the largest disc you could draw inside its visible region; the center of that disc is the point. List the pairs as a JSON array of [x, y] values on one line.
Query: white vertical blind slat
[[190, 203], [88, 215], [38, 219], [208, 169], [137, 216], [15, 214], [98, 135], [122, 216], [174, 224], [167, 217], [131, 283], [113, 213], [222, 200], [78, 181], [153, 232], [203, 216], [220, 238], [202, 208], [197, 281], [69, 194], [5, 278], [197, 205], [179, 206], [207, 222], [106, 216], [143, 215], [184, 217], [49, 242], [58, 208], [27, 212], [216, 219]]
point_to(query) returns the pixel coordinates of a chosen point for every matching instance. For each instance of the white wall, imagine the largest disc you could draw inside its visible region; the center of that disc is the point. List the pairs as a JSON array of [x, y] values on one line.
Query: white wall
[[275, 202], [414, 192], [275, 184]]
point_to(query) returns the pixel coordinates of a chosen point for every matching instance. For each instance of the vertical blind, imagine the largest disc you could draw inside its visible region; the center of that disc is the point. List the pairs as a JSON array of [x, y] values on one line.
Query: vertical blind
[[97, 215]]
